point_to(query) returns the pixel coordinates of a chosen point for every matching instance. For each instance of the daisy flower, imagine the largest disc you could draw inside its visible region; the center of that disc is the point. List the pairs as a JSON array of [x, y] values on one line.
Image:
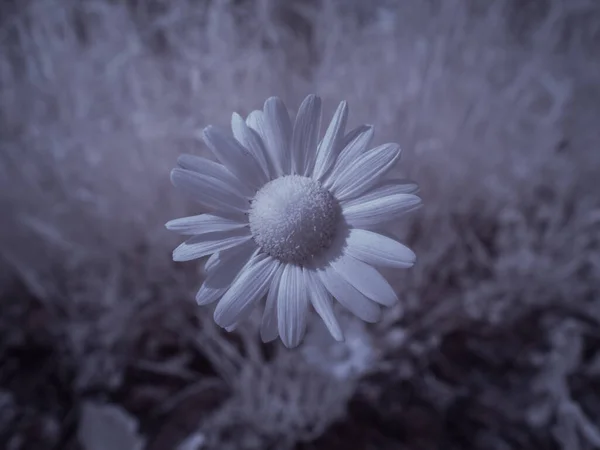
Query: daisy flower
[[293, 219]]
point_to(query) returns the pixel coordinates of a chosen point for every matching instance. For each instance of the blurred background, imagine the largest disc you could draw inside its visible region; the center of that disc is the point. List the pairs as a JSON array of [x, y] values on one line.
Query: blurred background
[[495, 344]]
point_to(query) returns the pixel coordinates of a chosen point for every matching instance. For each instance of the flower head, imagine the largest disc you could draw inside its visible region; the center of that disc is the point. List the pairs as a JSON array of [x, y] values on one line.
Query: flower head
[[292, 219]]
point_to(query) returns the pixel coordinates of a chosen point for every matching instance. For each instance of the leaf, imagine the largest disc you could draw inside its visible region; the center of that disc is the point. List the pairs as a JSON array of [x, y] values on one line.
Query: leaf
[[108, 427]]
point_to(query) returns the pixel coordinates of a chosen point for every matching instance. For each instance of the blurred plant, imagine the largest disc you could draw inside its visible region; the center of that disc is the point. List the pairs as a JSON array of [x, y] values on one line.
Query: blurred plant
[[557, 408], [105, 427]]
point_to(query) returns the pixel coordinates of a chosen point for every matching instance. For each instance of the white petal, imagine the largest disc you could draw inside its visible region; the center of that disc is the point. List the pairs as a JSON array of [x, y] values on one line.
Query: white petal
[[379, 250], [218, 280], [365, 279], [209, 294], [353, 134], [323, 304], [204, 223], [306, 135], [218, 258], [213, 261], [277, 134], [248, 288], [330, 145], [356, 143], [361, 139], [256, 121], [233, 327], [214, 170], [210, 192], [292, 305], [205, 244], [233, 155], [384, 188], [253, 142], [268, 326], [348, 296], [365, 171], [369, 212], [400, 185]]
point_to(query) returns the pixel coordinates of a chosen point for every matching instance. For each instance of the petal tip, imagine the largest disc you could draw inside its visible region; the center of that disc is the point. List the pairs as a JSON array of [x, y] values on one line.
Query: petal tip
[[272, 99], [290, 345], [174, 175], [265, 338], [313, 98], [412, 260], [218, 317], [339, 336], [208, 131]]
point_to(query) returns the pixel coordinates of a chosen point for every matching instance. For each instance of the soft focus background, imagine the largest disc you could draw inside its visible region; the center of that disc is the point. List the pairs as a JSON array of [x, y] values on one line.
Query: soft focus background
[[496, 342]]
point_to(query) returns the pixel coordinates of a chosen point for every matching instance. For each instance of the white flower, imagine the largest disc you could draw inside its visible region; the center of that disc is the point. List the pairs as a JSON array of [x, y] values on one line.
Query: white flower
[[292, 219]]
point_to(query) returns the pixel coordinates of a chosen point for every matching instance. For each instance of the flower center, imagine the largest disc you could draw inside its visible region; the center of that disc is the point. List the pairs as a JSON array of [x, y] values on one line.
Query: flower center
[[293, 218]]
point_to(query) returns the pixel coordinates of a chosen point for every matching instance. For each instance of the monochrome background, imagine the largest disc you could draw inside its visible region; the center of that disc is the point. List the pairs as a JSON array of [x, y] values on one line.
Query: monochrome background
[[495, 344]]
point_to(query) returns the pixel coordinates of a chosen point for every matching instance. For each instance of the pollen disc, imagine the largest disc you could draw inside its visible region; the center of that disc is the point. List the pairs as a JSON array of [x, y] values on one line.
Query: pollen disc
[[293, 218]]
